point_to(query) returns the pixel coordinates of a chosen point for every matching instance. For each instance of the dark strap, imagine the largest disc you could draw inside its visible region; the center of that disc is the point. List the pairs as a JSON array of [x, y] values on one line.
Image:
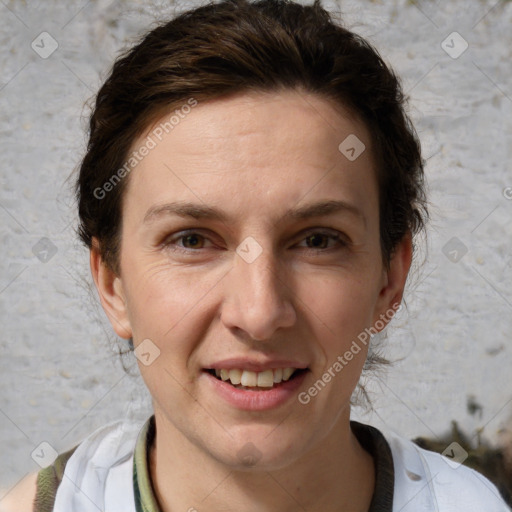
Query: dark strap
[[48, 481], [374, 442]]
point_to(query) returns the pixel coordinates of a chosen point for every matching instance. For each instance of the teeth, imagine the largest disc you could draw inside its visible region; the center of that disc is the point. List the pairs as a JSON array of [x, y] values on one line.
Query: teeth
[[247, 378], [266, 379], [235, 376], [287, 373]]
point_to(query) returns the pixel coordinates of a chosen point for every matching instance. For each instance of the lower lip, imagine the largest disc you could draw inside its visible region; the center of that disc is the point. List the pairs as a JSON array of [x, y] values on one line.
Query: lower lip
[[248, 400]]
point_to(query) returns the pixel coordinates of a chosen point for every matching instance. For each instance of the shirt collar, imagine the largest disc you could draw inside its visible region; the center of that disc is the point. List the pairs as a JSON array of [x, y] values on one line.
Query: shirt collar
[[145, 499], [370, 438]]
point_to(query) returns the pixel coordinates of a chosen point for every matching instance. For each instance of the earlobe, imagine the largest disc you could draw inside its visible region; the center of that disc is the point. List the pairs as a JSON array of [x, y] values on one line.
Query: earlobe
[[111, 293], [392, 291]]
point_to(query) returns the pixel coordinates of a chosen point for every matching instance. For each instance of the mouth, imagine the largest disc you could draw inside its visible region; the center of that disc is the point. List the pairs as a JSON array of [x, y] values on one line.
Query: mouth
[[256, 381]]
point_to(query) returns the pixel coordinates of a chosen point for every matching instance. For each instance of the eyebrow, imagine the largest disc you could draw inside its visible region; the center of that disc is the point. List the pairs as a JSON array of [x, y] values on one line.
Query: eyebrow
[[200, 211]]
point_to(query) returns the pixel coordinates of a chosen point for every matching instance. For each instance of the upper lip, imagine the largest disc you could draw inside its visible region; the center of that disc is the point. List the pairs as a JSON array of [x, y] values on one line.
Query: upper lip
[[243, 363]]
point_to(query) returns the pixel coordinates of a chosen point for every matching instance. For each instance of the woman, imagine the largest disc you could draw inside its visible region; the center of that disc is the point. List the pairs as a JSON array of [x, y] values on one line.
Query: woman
[[249, 196]]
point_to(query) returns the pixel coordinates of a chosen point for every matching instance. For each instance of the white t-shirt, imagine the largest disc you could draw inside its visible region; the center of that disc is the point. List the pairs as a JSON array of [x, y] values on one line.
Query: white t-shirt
[[99, 474]]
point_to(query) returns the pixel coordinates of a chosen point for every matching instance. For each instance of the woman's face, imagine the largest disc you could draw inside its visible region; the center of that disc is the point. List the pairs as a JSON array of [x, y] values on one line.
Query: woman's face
[[252, 273]]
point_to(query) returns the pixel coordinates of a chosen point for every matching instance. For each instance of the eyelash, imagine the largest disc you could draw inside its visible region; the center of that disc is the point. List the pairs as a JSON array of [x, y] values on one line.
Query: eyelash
[[170, 243]]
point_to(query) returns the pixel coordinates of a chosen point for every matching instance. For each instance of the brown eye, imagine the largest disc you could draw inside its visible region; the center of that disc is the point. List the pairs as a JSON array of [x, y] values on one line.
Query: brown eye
[[185, 242], [320, 240], [317, 239], [192, 240]]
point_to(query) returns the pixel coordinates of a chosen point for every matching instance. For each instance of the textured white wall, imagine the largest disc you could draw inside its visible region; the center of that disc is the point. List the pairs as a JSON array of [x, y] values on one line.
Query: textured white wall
[[59, 378]]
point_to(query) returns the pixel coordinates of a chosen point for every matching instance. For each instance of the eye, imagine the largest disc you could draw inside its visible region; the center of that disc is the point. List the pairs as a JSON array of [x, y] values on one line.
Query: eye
[[318, 239], [192, 241]]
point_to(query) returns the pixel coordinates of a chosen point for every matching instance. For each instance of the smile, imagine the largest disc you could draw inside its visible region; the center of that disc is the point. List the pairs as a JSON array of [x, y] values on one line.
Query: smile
[[247, 379]]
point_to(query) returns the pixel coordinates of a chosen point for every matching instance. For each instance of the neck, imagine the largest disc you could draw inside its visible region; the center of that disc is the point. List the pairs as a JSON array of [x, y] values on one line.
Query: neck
[[338, 474]]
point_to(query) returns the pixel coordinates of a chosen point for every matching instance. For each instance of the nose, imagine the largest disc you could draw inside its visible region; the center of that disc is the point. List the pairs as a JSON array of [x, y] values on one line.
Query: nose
[[258, 299]]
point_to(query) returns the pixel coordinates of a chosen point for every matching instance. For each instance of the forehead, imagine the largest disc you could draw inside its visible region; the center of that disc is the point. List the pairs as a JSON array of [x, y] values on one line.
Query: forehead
[[255, 151]]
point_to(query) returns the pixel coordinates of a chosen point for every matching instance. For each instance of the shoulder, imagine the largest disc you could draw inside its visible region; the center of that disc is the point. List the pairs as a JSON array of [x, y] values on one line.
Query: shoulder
[[451, 479], [37, 491], [440, 481], [21, 497]]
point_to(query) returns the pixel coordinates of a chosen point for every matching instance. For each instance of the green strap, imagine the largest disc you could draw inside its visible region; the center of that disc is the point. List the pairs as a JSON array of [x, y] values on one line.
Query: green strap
[[145, 500], [48, 480]]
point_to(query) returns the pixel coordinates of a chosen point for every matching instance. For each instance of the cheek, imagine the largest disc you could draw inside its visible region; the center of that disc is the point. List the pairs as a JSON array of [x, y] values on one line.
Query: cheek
[[344, 304], [162, 298], [166, 306], [340, 308]]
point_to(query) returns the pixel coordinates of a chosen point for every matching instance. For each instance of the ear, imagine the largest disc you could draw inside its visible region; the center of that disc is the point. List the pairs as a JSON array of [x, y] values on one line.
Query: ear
[[111, 293], [394, 280]]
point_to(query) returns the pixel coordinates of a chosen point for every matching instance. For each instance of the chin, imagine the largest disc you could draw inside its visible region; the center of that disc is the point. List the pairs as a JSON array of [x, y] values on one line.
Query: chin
[[260, 452]]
